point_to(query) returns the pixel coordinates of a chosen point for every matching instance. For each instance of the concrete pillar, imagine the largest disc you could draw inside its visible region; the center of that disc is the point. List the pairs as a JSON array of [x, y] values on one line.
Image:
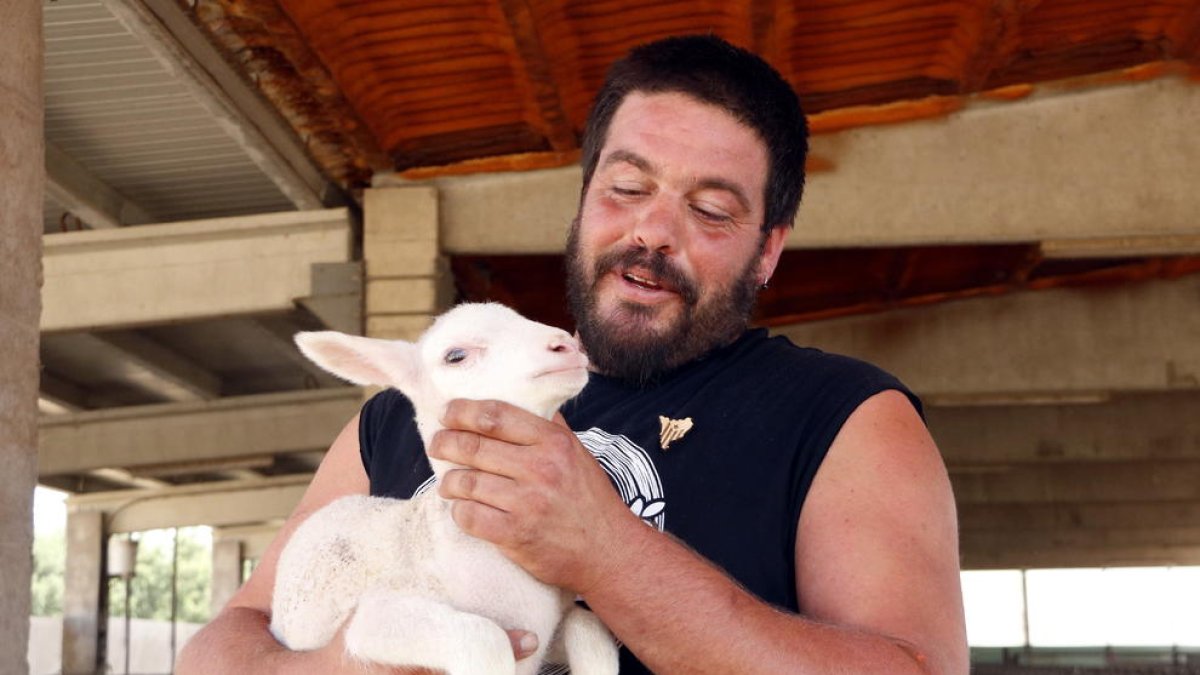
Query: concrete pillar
[[21, 184], [84, 594], [226, 572], [407, 277]]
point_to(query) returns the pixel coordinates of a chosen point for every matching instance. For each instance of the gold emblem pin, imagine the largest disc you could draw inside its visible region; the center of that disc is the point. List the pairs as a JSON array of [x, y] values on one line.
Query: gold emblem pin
[[672, 430]]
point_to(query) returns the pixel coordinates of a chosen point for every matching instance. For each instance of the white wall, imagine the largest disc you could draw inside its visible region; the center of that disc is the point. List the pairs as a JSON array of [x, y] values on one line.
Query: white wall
[[150, 644]]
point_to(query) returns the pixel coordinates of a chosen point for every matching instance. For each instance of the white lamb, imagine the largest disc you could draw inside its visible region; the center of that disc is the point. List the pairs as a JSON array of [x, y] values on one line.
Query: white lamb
[[422, 592]]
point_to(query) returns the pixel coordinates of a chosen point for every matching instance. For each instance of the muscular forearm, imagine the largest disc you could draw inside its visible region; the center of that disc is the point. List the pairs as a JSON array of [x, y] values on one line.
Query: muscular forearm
[[680, 614], [238, 641]]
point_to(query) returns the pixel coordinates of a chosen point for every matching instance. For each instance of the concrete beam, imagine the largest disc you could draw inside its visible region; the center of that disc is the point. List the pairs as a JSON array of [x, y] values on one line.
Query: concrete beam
[[217, 504], [157, 369], [121, 477], [1061, 483], [189, 270], [165, 29], [1152, 427], [83, 194], [1091, 516], [1005, 557], [1085, 534], [247, 427], [1064, 164], [57, 396], [253, 539], [336, 299], [1040, 345], [1147, 536]]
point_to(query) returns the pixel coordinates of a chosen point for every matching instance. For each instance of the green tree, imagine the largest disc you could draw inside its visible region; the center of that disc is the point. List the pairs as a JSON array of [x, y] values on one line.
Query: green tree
[[49, 556], [150, 588]]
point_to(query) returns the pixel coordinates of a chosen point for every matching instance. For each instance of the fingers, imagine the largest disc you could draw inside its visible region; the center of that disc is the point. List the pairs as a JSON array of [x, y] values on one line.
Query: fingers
[[483, 521], [495, 437], [478, 452], [491, 489], [494, 419], [524, 643]]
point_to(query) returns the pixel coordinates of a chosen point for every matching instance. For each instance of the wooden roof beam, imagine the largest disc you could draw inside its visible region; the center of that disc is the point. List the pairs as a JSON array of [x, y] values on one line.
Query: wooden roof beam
[[991, 41], [1184, 35], [553, 121]]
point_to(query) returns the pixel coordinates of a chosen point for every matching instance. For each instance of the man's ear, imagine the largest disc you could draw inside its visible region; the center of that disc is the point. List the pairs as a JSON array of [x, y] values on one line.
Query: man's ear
[[362, 360], [772, 249]]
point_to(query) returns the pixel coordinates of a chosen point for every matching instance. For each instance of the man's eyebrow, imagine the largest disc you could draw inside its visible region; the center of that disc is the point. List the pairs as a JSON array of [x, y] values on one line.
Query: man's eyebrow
[[711, 183], [629, 157]]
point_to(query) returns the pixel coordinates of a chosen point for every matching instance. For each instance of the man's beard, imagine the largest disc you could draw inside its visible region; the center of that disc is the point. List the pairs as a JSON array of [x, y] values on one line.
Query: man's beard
[[624, 343]]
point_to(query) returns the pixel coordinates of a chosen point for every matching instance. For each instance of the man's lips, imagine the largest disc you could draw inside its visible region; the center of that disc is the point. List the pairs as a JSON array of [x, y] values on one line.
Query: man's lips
[[645, 281]]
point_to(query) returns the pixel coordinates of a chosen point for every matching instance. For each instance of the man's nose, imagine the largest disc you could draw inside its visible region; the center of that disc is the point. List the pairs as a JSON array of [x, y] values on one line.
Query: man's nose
[[657, 227]]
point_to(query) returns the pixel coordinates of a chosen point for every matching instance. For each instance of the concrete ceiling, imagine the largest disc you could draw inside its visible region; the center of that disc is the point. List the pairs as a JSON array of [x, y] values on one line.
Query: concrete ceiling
[[1001, 209]]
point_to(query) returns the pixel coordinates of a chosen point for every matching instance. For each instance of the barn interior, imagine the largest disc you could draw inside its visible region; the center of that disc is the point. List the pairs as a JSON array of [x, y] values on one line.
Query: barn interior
[[1002, 209]]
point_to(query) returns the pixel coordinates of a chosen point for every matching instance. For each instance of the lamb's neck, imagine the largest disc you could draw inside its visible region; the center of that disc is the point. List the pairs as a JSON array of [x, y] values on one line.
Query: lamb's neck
[[429, 423]]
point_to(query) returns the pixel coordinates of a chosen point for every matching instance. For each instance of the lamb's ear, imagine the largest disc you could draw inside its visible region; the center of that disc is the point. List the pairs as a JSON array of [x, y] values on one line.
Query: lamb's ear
[[362, 360]]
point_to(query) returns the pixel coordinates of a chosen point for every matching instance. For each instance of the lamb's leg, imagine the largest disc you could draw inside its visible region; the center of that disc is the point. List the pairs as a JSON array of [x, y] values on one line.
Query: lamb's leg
[[302, 620], [403, 630], [589, 648]]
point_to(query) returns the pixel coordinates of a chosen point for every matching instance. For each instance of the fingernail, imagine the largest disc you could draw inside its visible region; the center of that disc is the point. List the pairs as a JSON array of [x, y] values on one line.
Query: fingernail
[[529, 643]]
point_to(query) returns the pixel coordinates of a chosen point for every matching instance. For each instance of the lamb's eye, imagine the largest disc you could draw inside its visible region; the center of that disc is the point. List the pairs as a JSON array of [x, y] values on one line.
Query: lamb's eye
[[455, 355]]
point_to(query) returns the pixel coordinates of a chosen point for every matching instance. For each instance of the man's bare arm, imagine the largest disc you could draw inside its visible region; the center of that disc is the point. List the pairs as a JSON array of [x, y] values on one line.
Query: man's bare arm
[[877, 561]]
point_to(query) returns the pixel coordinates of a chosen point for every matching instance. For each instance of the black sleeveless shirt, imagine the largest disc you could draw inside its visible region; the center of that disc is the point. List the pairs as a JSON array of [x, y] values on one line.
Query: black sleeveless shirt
[[720, 452]]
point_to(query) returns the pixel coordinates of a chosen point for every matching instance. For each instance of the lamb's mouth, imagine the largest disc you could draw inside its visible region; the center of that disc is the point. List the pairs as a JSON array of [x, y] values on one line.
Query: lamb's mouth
[[563, 370]]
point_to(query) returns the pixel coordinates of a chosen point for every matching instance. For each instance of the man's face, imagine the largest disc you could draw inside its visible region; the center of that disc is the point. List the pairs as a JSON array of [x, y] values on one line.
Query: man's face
[[667, 251]]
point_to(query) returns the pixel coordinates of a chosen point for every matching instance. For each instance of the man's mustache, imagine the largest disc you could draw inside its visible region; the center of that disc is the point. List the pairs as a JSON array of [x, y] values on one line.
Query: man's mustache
[[658, 264]]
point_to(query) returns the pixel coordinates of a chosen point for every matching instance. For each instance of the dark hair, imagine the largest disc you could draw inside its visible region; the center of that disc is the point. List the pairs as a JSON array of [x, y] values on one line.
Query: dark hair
[[712, 71]]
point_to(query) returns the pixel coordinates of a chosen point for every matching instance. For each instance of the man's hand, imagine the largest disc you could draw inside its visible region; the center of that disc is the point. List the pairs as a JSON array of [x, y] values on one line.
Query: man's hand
[[532, 489]]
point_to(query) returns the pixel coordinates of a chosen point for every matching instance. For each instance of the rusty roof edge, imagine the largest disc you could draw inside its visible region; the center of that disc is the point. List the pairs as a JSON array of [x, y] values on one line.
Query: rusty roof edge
[[261, 40]]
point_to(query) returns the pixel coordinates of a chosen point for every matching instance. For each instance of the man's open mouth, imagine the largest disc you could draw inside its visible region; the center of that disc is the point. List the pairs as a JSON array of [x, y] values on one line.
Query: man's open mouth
[[643, 282]]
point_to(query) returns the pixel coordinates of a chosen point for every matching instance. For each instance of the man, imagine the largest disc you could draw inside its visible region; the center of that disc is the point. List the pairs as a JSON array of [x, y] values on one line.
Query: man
[[776, 509]]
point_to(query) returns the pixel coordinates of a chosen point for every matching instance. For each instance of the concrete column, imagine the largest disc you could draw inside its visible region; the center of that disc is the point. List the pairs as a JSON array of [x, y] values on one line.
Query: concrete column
[[407, 278], [226, 572], [21, 183], [84, 594]]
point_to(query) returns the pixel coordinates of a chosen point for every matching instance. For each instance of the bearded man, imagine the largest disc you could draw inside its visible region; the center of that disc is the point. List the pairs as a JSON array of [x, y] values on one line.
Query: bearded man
[[727, 502]]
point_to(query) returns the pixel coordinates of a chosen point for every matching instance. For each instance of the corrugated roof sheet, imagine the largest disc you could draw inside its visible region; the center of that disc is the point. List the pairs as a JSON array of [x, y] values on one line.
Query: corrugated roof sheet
[[117, 111]]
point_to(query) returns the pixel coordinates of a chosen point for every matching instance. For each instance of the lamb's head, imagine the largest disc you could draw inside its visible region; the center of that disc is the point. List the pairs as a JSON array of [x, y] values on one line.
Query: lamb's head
[[488, 351], [475, 351]]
